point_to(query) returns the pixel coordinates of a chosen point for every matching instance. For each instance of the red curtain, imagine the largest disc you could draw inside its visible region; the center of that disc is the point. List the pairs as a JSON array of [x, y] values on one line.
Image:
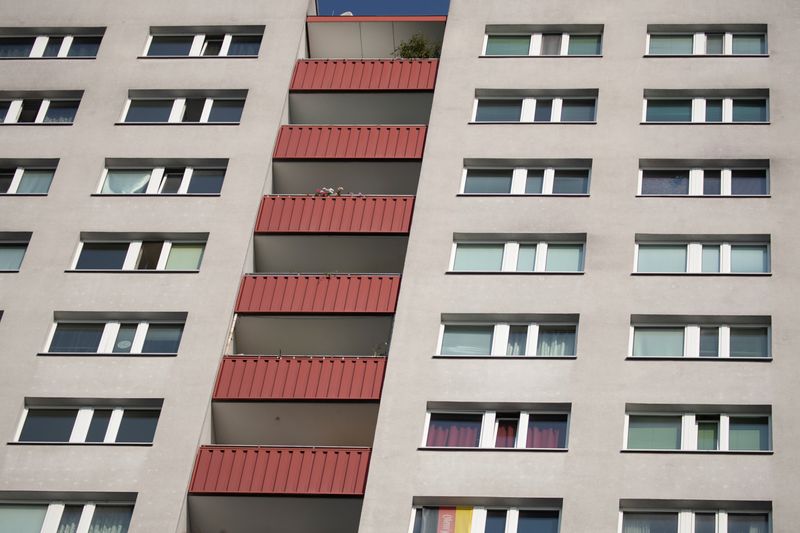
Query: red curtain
[[506, 434], [454, 433], [546, 435]]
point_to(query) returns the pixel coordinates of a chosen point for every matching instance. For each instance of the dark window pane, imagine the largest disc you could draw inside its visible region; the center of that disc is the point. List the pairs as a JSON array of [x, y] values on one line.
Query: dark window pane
[[193, 109], [534, 181], [669, 110], [544, 110], [16, 46], [53, 46], [498, 111], [111, 519], [508, 45], [69, 519], [454, 430], [749, 44], [584, 45], [581, 110], [170, 45], [650, 522], [30, 108], [709, 342], [76, 338], [705, 523], [714, 43], [551, 44], [547, 431], [4, 110], [749, 110], [149, 111], [749, 342], [207, 181], [48, 425], [84, 47], [138, 425], [487, 181], [712, 182], [124, 340], [244, 45], [572, 181], [162, 338], [6, 176], [713, 110], [11, 255], [226, 111], [495, 521], [63, 111], [538, 522], [99, 425], [171, 182], [665, 182], [748, 523], [747, 182], [149, 254], [102, 256], [213, 45]]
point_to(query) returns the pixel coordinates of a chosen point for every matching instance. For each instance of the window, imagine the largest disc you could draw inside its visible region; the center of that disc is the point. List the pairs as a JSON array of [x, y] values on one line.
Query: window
[[117, 337], [139, 255], [64, 517], [713, 42], [181, 180], [704, 182], [587, 41], [184, 109], [527, 181], [686, 107], [11, 254], [698, 432], [710, 257], [39, 108], [506, 429], [181, 42], [557, 107], [704, 340], [25, 180], [520, 339], [469, 519], [52, 46], [695, 521], [518, 256], [77, 423]]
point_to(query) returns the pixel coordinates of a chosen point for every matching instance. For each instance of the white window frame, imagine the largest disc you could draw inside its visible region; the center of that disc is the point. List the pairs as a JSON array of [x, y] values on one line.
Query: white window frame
[[15, 109], [500, 334], [691, 340], [689, 431], [199, 44], [699, 43], [132, 255], [510, 256], [479, 516], [156, 183], [109, 335], [55, 510], [528, 111], [489, 427], [178, 109], [694, 257], [82, 422], [40, 44], [535, 48], [699, 109], [697, 180], [519, 179]]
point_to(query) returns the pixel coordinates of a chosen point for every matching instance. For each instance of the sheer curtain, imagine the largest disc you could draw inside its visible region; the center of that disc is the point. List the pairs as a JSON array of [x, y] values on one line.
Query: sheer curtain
[[111, 519], [556, 341], [650, 523], [70, 518], [126, 182]]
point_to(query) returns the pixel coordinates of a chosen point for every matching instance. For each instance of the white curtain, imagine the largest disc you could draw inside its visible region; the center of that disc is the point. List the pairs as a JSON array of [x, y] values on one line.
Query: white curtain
[[111, 519], [126, 181]]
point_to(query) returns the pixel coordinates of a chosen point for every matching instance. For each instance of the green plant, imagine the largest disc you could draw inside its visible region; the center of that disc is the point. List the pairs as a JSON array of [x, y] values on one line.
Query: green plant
[[417, 46]]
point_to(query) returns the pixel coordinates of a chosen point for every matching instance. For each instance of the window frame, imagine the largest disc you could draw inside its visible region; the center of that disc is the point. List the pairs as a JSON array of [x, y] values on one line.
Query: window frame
[[519, 176], [82, 422], [535, 45], [109, 336], [54, 511], [511, 255], [42, 39], [19, 172], [694, 257], [178, 109], [528, 109], [698, 109], [699, 43], [500, 335], [156, 182], [199, 42], [478, 524], [133, 254], [691, 341], [15, 110], [697, 180]]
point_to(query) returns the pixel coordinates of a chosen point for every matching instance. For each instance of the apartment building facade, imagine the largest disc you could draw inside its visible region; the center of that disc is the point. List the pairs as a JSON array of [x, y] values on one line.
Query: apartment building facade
[[262, 277]]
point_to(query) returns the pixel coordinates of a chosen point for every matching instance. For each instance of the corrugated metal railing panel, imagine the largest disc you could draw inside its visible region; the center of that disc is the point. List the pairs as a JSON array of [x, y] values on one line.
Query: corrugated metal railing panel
[[300, 378], [267, 470], [335, 214], [365, 75], [356, 294], [350, 142]]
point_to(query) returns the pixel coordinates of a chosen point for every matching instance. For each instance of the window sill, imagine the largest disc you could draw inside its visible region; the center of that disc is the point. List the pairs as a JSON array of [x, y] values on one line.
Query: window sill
[[494, 272], [37, 124], [540, 123], [199, 57], [704, 196], [3, 271], [120, 271], [566, 56], [646, 123], [718, 359], [25, 194], [502, 194], [142, 195], [136, 444], [686, 56], [457, 449], [704, 452], [509, 357], [105, 354], [79, 58], [177, 123], [707, 274]]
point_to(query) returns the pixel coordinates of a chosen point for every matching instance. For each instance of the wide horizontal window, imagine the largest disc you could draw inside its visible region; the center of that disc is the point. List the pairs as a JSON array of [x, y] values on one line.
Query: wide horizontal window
[[703, 258], [162, 180], [497, 429], [50, 46], [704, 182], [220, 44], [542, 339], [140, 255], [544, 44], [698, 432], [712, 109], [469, 519], [699, 521], [701, 340], [529, 181], [65, 517], [710, 43], [556, 257], [87, 424], [561, 109], [184, 110], [36, 110], [115, 337]]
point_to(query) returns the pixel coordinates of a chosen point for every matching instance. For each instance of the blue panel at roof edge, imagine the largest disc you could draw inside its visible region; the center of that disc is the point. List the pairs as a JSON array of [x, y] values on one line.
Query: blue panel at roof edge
[[383, 7]]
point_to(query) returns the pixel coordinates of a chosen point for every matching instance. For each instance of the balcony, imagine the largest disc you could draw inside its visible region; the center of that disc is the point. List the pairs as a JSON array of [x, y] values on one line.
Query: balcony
[[367, 37], [332, 234], [362, 92], [250, 489], [297, 400]]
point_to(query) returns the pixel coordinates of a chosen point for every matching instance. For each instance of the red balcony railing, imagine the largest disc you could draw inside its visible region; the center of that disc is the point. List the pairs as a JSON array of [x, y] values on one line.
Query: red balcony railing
[[365, 75], [350, 142]]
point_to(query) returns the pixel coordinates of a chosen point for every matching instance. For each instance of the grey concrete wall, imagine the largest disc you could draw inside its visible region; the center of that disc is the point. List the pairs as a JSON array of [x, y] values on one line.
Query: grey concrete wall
[[593, 475], [159, 474]]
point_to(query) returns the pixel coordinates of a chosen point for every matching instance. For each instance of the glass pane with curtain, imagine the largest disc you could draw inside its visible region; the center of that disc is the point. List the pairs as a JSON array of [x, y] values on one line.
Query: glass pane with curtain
[[661, 258], [162, 338], [508, 45], [517, 339], [48, 425], [102, 256], [478, 257], [705, 523], [749, 110], [669, 110], [749, 433], [467, 340], [647, 432], [111, 519], [713, 110], [665, 182], [547, 431], [70, 519], [712, 182], [169, 45], [577, 110], [498, 111], [671, 44], [714, 43], [707, 432], [206, 181], [748, 523], [185, 256], [584, 45], [711, 256], [84, 47], [454, 430], [551, 44], [137, 425], [488, 181], [120, 181], [21, 518], [226, 111], [749, 342], [534, 181], [709, 342], [495, 521], [749, 258], [149, 111], [63, 111], [745, 44], [506, 430], [649, 522], [526, 258], [99, 425], [658, 342], [544, 110], [53, 46], [538, 522], [35, 181], [564, 258], [571, 181], [439, 519], [16, 46], [124, 340], [244, 45], [556, 341], [749, 182], [11, 255], [76, 338]]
